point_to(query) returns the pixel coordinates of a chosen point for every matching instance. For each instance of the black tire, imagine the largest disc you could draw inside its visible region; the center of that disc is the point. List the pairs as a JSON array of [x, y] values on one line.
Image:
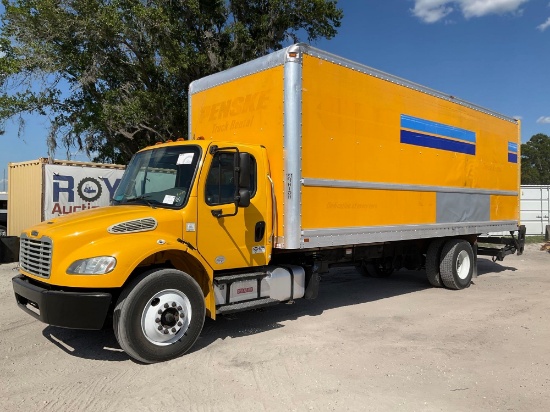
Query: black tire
[[457, 264], [374, 269], [433, 259], [3, 231], [362, 268], [180, 315]]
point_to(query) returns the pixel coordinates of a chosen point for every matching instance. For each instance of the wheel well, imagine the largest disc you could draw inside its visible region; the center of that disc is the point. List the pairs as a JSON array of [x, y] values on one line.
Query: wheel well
[[471, 239], [175, 259]]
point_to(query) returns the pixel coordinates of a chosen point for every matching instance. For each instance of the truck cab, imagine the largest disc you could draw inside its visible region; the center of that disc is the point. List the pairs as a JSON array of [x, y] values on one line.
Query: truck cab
[[78, 269]]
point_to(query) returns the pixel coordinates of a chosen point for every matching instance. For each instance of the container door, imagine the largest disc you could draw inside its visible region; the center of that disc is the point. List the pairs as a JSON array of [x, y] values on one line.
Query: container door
[[232, 241]]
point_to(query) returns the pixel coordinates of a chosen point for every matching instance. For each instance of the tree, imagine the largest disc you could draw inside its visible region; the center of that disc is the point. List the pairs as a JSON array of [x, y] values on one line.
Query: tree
[[112, 75], [535, 160]]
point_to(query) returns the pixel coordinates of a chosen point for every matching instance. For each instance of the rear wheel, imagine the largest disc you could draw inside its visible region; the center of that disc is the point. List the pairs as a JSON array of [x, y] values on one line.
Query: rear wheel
[[457, 264], [159, 316], [433, 258]]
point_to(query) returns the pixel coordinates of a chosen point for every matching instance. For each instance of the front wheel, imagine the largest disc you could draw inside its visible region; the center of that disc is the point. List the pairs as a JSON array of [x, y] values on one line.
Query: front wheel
[[159, 315]]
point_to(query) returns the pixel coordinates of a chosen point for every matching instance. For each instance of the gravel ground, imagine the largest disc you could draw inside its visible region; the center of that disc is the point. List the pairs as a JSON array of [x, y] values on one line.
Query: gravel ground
[[391, 344]]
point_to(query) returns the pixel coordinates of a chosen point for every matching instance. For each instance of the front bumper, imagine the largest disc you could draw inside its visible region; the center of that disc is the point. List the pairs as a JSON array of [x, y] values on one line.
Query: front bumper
[[67, 309]]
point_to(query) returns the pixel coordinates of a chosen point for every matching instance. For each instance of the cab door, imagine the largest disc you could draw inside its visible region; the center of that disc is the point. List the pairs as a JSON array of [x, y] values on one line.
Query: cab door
[[241, 240]]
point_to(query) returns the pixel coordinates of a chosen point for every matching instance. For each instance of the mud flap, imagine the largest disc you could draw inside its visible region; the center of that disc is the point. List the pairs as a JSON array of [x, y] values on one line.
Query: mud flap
[[312, 283]]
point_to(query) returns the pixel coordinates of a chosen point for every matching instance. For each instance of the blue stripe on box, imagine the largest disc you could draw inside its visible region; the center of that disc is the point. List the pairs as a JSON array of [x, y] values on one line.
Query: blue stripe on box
[[424, 140], [426, 126], [512, 157], [512, 147]]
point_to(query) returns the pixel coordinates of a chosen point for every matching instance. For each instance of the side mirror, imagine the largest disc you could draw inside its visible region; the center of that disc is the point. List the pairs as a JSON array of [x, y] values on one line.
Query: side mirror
[[244, 170], [241, 177], [244, 198]]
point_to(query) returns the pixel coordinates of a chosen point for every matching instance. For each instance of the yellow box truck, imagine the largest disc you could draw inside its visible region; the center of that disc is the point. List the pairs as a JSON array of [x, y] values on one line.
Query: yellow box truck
[[296, 161]]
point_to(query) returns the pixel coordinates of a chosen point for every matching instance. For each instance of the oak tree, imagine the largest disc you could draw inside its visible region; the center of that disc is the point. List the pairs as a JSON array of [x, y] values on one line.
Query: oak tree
[[112, 75], [535, 160]]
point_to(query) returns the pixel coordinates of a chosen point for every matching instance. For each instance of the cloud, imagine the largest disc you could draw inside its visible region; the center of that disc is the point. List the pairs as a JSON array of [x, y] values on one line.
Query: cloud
[[544, 120], [518, 117], [544, 25], [431, 11]]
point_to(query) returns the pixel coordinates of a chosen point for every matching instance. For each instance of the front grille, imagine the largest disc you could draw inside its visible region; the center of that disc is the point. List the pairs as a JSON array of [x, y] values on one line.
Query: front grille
[[35, 255]]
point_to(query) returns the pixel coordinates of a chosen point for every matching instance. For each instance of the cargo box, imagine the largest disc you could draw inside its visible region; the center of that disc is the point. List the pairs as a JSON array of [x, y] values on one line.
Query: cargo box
[[361, 156]]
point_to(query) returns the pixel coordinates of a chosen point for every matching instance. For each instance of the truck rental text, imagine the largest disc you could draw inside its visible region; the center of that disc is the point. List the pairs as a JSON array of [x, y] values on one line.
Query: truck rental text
[[295, 162]]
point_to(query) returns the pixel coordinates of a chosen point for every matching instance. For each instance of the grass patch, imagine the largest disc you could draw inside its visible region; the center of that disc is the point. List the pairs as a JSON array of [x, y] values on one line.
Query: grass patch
[[534, 239]]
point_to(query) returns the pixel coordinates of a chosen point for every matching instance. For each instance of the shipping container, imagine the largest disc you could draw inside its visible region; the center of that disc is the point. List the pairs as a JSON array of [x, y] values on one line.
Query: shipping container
[[45, 188], [535, 208]]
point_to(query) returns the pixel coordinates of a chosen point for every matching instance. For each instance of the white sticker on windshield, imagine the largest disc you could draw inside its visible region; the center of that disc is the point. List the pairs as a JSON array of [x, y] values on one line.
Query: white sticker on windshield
[[169, 199], [185, 158]]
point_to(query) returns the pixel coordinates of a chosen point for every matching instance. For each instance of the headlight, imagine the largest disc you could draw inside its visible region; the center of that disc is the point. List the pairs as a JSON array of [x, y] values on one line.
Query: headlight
[[92, 266]]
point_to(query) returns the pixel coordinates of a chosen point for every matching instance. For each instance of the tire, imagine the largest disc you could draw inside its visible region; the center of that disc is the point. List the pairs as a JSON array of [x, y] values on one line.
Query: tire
[[362, 268], [3, 231], [151, 335], [433, 259], [374, 269], [457, 264]]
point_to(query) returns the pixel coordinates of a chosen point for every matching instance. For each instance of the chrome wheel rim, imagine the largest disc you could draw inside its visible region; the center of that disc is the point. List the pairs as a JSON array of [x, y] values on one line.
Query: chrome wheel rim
[[463, 264], [166, 317]]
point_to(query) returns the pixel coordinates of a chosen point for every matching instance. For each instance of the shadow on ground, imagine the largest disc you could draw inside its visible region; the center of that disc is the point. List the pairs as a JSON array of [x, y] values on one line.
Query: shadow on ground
[[486, 265], [342, 287]]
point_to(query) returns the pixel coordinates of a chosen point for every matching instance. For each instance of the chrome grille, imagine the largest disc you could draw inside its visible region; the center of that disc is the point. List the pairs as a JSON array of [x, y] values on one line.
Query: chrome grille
[[35, 255], [132, 226]]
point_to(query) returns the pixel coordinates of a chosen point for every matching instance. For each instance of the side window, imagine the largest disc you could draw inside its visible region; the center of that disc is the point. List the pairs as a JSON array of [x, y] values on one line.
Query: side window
[[220, 184]]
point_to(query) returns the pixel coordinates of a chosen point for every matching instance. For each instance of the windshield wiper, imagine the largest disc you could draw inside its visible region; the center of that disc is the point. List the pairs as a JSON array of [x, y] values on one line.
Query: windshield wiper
[[143, 198]]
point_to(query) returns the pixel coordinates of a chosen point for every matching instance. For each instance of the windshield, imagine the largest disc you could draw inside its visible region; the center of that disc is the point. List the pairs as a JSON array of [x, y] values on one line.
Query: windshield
[[159, 177]]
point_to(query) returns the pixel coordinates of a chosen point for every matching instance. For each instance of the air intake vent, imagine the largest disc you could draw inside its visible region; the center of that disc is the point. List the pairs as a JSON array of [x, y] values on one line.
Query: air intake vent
[[133, 226]]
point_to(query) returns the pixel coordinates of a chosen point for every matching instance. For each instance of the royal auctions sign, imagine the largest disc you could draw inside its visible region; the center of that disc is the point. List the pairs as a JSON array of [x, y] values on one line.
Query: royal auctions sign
[[71, 189]]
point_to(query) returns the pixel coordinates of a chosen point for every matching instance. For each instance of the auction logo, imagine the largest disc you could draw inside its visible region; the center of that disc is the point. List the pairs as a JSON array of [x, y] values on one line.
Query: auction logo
[[89, 189]]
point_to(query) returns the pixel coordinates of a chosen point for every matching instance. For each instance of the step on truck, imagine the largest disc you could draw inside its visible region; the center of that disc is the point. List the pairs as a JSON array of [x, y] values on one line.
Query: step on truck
[[295, 162]]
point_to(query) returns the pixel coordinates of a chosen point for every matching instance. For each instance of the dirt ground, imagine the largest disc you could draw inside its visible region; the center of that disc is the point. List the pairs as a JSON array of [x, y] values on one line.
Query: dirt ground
[[391, 344]]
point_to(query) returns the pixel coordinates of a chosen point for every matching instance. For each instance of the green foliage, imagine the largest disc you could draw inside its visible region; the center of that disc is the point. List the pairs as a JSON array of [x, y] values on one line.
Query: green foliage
[[535, 160], [112, 75]]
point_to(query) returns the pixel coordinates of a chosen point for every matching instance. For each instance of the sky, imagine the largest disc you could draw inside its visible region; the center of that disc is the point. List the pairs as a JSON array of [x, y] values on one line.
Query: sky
[[493, 53]]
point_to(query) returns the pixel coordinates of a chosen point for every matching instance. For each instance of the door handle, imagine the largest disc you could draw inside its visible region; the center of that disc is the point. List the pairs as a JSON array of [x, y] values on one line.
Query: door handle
[[259, 231]]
